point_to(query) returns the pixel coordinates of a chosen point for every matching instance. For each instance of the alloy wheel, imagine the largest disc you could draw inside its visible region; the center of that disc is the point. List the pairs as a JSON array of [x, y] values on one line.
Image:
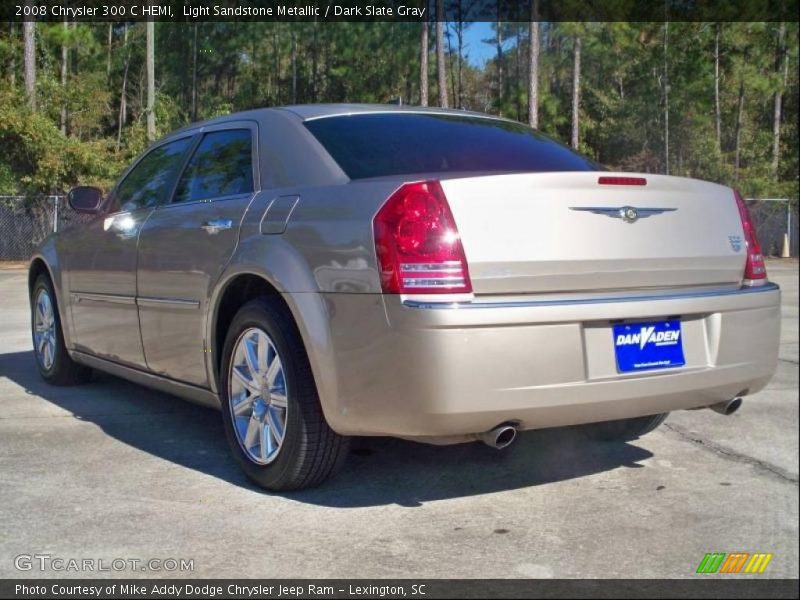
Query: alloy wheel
[[44, 330], [258, 396]]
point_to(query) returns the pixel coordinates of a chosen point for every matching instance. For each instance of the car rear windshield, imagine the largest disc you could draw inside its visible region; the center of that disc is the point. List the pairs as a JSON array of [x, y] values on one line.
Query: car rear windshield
[[376, 145]]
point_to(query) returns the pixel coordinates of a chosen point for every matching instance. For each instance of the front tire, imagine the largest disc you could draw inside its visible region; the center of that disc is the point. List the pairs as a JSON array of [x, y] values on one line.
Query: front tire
[[623, 430], [270, 408], [55, 365]]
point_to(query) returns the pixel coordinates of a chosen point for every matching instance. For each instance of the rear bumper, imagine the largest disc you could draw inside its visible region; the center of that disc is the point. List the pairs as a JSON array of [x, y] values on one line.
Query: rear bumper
[[417, 369]]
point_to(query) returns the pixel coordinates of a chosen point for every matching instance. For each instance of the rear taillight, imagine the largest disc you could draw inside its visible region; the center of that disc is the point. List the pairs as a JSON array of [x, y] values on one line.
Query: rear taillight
[[417, 243], [755, 272]]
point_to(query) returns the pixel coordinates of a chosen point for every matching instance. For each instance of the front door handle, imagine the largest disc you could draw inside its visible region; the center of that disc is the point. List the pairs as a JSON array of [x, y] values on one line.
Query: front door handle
[[217, 225]]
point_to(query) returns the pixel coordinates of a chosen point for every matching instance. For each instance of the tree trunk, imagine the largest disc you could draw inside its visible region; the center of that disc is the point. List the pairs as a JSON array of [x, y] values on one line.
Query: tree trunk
[[393, 87], [717, 112], [451, 69], [499, 43], [459, 99], [64, 71], [254, 74], [776, 115], [314, 62], [127, 64], [423, 65], [194, 73], [108, 51], [277, 57], [576, 91], [140, 101], [151, 82], [294, 68], [12, 61], [440, 71], [123, 100], [123, 104], [74, 64], [29, 35], [533, 67], [739, 113], [517, 72], [666, 98]]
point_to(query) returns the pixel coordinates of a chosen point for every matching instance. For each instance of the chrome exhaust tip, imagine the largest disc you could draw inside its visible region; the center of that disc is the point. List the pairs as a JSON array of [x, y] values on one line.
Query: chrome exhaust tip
[[499, 437], [728, 407]]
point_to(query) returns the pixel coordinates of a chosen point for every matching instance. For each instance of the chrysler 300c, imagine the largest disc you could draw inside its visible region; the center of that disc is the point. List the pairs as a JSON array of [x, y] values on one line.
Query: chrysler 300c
[[323, 272]]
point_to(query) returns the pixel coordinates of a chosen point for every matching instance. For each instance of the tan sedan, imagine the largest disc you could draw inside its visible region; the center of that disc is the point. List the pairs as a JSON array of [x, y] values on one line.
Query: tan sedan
[[321, 272]]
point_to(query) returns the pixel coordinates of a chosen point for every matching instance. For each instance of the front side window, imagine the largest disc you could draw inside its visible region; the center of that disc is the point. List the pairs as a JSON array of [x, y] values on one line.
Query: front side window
[[221, 166], [150, 181]]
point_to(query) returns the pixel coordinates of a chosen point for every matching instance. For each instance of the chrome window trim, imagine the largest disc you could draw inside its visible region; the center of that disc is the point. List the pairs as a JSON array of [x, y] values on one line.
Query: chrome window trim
[[215, 200], [768, 287]]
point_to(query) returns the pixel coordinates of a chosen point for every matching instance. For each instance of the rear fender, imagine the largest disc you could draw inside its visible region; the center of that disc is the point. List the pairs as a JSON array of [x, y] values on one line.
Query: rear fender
[[279, 264]]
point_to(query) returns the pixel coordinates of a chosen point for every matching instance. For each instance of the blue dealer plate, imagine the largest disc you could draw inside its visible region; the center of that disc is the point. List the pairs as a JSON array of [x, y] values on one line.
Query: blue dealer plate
[[644, 346]]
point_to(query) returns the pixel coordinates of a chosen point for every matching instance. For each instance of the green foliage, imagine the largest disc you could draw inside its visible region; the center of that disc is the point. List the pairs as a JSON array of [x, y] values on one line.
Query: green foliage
[[43, 159], [628, 70]]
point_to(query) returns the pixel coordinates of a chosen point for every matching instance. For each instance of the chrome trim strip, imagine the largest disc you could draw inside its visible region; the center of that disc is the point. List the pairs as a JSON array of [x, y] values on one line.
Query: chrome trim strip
[[768, 287], [117, 299], [448, 265], [412, 282], [403, 111], [171, 302], [108, 298]]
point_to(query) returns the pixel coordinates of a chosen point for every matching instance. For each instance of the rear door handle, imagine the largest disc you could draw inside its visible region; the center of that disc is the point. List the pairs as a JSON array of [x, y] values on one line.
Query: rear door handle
[[217, 225]]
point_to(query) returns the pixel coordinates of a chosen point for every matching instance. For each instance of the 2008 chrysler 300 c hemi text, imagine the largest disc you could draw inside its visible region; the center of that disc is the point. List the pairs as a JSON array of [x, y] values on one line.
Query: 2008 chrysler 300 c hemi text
[[320, 272]]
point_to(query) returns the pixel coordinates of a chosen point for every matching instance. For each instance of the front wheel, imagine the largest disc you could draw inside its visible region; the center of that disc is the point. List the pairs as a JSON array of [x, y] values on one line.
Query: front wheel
[[623, 430], [270, 408]]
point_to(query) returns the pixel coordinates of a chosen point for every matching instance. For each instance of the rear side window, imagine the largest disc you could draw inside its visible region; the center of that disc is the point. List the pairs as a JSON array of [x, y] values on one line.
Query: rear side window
[[375, 145], [150, 181], [221, 166]]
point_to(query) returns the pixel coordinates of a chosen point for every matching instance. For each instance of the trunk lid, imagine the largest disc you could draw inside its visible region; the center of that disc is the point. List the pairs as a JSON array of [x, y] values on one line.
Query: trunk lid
[[552, 232]]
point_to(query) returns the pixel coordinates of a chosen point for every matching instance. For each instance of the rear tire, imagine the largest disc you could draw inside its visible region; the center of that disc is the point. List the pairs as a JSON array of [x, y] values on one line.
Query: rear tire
[[623, 430], [271, 410], [54, 363]]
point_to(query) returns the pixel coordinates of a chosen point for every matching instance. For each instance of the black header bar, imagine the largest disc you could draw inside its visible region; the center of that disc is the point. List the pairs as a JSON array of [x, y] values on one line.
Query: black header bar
[[398, 10]]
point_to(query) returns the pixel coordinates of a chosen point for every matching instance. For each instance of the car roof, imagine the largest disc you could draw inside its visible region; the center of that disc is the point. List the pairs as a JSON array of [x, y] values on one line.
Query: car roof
[[307, 112]]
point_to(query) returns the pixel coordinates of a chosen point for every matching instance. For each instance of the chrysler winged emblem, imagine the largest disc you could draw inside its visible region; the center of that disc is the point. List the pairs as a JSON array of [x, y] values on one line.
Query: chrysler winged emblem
[[629, 214]]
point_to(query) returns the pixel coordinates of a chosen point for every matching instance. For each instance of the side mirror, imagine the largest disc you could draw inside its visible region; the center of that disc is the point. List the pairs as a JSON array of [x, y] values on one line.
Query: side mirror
[[86, 199]]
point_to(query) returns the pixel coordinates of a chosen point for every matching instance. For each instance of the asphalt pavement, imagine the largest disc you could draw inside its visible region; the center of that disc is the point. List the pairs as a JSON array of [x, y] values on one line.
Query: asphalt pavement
[[111, 470]]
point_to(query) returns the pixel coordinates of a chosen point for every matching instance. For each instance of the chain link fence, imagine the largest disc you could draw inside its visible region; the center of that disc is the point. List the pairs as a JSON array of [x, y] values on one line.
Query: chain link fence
[[775, 219], [27, 220]]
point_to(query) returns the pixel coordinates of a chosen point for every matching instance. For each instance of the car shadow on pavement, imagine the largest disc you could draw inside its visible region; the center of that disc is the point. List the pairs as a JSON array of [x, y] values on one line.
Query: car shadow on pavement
[[379, 471]]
